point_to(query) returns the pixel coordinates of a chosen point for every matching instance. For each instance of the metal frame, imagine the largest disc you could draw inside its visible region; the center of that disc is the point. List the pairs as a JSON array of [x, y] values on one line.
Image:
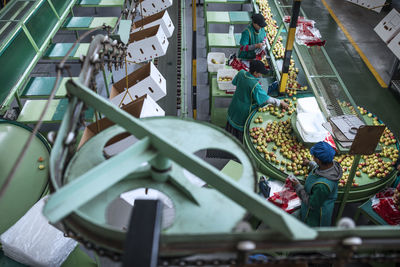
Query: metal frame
[[305, 67], [14, 91]]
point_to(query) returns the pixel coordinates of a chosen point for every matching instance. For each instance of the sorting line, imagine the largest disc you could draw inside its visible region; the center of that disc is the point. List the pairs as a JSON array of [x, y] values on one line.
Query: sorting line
[[362, 55]]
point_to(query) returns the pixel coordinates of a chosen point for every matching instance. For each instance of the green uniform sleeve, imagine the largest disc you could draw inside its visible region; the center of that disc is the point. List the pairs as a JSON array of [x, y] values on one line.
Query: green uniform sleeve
[[245, 38], [259, 95], [319, 193], [235, 79]]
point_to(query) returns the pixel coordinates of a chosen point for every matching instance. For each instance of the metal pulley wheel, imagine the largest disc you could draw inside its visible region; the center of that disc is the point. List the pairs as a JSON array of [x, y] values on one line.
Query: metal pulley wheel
[[101, 222]]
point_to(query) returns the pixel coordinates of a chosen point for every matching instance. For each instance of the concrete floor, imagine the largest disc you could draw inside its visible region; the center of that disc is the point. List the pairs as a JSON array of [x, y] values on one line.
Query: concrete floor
[[358, 79]]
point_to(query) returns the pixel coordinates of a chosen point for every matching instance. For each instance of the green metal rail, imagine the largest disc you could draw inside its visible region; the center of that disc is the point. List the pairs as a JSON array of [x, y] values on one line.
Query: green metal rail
[[319, 70], [26, 29]]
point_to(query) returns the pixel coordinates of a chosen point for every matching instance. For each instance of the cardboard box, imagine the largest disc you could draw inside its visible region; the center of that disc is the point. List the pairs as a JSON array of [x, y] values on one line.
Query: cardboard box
[[146, 80], [142, 107], [162, 18], [147, 44], [374, 5], [150, 7], [394, 45], [389, 27]]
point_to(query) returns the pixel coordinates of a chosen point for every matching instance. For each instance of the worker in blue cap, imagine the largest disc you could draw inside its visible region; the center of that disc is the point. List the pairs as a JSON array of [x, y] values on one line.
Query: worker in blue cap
[[319, 193]]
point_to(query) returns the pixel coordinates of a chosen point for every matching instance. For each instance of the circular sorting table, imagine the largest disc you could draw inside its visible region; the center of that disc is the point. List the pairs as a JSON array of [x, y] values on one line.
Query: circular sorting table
[[272, 141]]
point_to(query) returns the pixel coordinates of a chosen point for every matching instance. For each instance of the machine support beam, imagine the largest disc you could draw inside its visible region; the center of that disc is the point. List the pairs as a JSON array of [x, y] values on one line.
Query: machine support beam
[[289, 45]]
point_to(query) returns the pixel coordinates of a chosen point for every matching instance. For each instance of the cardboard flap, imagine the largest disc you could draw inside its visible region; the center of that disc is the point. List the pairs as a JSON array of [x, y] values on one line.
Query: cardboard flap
[[143, 34], [134, 108], [133, 78], [140, 23]]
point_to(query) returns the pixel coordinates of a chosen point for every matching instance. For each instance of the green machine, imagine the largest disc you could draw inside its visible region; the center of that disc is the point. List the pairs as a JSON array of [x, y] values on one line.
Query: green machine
[[88, 182], [30, 182]]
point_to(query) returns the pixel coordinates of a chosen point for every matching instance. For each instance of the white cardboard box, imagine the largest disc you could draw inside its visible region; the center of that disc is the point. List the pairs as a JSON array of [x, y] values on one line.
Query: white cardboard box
[[394, 45], [162, 18], [389, 27], [145, 80], [142, 107], [374, 5], [147, 44], [150, 7]]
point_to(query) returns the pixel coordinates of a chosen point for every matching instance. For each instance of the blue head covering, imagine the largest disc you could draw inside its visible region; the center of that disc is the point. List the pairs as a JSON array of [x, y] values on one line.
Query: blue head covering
[[323, 151]]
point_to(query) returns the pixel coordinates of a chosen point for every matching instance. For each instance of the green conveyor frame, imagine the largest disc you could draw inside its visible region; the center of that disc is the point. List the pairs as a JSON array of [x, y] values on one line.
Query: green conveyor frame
[[26, 29], [322, 76]]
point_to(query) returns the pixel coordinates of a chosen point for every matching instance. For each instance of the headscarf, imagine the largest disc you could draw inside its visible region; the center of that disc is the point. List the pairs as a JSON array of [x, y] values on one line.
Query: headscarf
[[323, 151]]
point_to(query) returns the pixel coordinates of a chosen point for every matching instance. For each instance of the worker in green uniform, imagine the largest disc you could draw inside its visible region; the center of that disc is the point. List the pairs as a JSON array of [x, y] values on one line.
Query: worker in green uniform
[[319, 193], [248, 96], [252, 37]]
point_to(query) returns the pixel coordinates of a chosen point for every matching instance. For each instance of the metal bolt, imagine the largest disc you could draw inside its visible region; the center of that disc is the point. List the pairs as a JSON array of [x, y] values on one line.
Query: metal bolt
[[94, 58], [352, 241], [346, 223], [246, 246], [70, 138], [51, 136]]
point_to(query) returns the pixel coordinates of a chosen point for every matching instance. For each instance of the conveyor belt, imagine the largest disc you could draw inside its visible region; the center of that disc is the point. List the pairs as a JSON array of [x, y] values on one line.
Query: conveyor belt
[[40, 87], [101, 3], [169, 65], [88, 23]]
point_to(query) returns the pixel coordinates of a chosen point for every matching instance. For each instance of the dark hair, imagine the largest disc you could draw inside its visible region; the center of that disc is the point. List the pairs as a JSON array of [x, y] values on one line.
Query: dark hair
[[252, 68]]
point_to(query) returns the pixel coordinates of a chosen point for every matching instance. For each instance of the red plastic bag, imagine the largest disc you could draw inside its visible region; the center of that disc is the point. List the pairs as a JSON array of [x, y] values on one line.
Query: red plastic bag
[[383, 204], [238, 65], [286, 199], [306, 33], [329, 139]]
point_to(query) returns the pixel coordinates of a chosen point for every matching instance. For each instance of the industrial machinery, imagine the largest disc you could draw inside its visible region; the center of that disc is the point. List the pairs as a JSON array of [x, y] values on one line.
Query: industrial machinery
[[204, 220], [93, 189]]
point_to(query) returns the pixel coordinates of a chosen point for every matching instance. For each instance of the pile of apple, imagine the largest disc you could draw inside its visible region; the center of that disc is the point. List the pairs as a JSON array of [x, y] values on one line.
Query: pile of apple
[[271, 29], [292, 84], [277, 137], [279, 51], [277, 112]]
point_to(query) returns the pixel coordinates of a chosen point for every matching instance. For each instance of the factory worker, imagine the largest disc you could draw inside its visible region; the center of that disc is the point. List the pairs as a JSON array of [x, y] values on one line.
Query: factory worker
[[252, 37], [319, 193], [248, 96]]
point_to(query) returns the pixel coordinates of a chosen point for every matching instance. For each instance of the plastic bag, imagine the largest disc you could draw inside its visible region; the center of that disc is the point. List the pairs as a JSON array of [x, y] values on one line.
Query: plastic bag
[[286, 199], [34, 242], [384, 205], [306, 33], [237, 64]]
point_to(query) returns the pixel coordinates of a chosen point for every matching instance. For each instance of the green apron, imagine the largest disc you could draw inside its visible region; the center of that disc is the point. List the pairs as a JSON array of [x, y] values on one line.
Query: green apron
[[250, 37], [248, 96], [323, 215]]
